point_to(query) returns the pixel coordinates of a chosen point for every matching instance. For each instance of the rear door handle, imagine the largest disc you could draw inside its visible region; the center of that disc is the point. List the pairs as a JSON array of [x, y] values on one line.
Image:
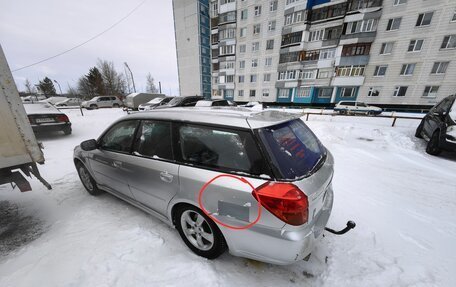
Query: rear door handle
[[117, 164], [166, 177]]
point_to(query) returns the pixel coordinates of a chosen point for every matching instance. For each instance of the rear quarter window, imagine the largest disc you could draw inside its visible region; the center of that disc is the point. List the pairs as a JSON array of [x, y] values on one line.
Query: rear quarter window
[[222, 149]]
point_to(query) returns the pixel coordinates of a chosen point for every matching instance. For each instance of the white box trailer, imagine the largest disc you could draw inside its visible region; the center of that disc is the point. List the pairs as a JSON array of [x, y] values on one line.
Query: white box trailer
[[133, 100], [19, 149]]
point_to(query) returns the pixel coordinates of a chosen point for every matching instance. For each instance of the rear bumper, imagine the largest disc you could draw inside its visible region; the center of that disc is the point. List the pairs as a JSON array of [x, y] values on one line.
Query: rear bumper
[[51, 127], [279, 246]]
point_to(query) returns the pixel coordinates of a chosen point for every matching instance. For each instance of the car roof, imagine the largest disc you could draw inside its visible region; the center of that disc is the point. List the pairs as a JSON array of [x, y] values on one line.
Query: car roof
[[225, 116], [40, 108]]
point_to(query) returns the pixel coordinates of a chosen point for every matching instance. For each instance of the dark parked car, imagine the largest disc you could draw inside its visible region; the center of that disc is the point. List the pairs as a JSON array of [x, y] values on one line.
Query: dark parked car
[[45, 117], [189, 101], [438, 127]]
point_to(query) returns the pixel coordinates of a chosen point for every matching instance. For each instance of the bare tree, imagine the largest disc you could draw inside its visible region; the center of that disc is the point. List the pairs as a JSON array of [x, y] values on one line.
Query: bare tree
[[29, 88], [115, 83], [150, 85], [73, 92]]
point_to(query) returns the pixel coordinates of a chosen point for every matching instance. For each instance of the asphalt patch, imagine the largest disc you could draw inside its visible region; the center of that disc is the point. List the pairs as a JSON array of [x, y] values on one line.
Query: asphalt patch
[[16, 229]]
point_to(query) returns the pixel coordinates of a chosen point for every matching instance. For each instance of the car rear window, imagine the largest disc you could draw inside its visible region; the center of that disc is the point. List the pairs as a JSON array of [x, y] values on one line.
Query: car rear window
[[295, 151]]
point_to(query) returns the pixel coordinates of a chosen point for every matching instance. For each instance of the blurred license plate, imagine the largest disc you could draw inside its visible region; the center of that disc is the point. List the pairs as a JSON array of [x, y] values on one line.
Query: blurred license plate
[[44, 120]]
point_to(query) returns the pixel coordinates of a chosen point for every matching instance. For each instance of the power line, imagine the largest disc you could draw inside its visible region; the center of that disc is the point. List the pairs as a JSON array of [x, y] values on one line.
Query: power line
[[83, 43]]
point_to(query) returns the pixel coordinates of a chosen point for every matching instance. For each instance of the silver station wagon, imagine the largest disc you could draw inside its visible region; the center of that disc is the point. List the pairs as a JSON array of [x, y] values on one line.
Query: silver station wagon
[[255, 183]]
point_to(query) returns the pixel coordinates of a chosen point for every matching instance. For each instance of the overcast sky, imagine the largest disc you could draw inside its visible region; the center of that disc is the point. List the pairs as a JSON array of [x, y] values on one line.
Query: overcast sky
[[37, 29]]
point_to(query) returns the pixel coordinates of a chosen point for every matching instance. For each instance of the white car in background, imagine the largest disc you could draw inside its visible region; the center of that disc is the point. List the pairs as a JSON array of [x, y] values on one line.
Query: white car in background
[[53, 100], [354, 107], [70, 102], [102, 102]]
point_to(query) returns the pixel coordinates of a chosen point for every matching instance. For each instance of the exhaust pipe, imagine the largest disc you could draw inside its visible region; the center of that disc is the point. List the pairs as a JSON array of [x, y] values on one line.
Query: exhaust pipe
[[350, 226]]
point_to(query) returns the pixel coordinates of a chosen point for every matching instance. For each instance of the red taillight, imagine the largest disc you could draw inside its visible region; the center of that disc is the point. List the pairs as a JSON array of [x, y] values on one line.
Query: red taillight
[[284, 200], [62, 118]]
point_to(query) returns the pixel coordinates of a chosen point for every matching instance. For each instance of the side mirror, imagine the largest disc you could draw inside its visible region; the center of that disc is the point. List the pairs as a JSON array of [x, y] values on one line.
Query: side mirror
[[89, 145]]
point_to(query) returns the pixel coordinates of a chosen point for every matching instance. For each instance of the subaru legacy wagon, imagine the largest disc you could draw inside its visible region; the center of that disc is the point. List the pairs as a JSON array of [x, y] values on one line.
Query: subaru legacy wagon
[[257, 184]]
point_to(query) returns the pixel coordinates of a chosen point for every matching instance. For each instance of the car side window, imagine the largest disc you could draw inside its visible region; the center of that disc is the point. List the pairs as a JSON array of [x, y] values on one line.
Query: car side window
[[155, 140], [444, 106], [226, 150], [120, 137]]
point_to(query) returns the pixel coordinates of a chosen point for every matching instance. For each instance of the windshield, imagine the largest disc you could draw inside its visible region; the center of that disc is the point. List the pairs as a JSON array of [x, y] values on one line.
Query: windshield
[[175, 101], [294, 149], [94, 99]]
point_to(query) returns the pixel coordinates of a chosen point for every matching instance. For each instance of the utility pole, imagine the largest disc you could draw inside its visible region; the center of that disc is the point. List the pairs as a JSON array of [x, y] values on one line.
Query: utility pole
[[131, 74]]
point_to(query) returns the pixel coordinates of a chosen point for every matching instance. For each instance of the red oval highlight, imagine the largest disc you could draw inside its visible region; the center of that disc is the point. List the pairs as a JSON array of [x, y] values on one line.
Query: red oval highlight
[[200, 202]]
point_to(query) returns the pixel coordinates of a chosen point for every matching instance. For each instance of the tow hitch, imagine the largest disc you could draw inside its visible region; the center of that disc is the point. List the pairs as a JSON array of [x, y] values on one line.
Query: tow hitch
[[350, 225]]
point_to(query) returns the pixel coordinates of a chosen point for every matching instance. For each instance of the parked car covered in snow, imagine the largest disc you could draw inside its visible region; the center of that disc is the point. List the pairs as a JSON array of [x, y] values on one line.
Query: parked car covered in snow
[[354, 107], [102, 102], [70, 102], [438, 127], [53, 100], [133, 100], [189, 101], [212, 103], [152, 104], [44, 117], [164, 162]]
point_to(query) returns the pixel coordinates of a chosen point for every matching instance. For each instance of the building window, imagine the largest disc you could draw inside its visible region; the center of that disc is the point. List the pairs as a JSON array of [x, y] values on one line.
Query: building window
[[347, 92], [243, 32], [257, 10], [323, 75], [241, 64], [253, 78], [244, 14], [394, 24], [399, 2], [229, 78], [380, 71], [268, 62], [430, 91], [254, 63], [292, 38], [228, 93], [241, 93], [303, 92], [350, 71], [415, 45], [242, 48], [325, 92], [270, 44], [284, 93], [449, 42], [400, 91], [307, 74], [361, 26], [214, 9], [227, 34], [327, 54], [252, 93], [266, 78], [255, 46], [373, 92], [424, 19], [227, 50], [407, 69], [316, 35], [439, 67], [294, 17], [273, 5], [387, 48], [226, 1], [256, 29], [241, 79], [271, 25], [282, 76], [265, 92], [356, 49]]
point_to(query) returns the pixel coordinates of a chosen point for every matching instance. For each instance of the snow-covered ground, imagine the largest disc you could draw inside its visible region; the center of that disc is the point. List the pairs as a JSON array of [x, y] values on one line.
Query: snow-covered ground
[[403, 201]]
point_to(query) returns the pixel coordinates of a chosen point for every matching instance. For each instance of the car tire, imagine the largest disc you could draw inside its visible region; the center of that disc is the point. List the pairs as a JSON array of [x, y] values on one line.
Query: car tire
[[192, 223], [93, 107], [370, 113], [115, 106], [343, 112], [87, 180], [419, 130], [433, 147]]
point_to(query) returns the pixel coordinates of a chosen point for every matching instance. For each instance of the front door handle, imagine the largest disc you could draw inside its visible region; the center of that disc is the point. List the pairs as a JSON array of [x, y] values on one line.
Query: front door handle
[[166, 177]]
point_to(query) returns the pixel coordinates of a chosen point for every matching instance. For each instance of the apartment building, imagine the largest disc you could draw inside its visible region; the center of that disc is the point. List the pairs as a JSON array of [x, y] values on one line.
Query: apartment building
[[319, 52], [413, 58]]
